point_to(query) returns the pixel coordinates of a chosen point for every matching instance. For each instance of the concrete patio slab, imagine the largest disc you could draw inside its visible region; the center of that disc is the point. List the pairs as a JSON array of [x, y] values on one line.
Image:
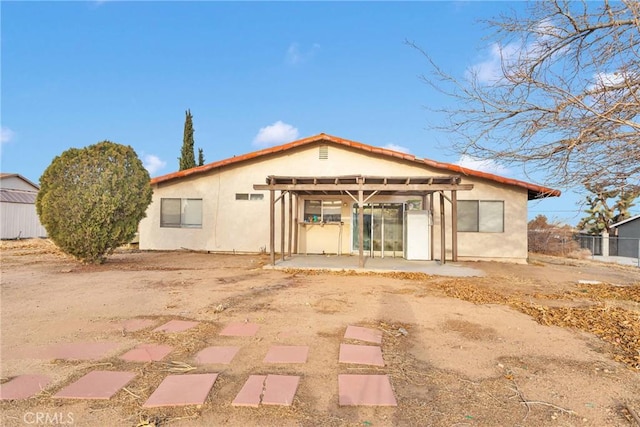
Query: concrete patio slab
[[217, 354], [365, 390], [96, 385], [287, 354], [280, 389], [23, 387], [180, 390], [147, 353], [251, 392], [388, 264], [176, 326], [81, 350], [361, 354], [134, 325], [240, 329], [363, 334]]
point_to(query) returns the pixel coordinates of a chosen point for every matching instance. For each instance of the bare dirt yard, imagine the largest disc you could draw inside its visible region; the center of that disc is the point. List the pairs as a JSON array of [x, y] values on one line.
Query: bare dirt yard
[[525, 345]]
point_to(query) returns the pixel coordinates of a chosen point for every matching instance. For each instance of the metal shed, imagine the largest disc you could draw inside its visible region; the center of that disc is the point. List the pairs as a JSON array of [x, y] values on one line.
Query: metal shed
[[18, 217]]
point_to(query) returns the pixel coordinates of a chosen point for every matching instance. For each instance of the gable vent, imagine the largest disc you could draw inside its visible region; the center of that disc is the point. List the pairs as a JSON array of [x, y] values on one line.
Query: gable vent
[[323, 153]]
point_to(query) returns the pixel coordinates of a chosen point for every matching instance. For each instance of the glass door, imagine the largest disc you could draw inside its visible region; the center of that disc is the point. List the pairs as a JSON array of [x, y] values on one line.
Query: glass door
[[383, 229]]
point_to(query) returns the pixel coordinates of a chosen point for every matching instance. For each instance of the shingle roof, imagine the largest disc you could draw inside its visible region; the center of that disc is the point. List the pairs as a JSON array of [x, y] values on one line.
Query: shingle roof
[[534, 191]]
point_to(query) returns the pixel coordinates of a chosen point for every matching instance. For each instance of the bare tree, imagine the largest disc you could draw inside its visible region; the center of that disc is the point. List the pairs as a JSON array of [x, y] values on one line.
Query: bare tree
[[566, 99]]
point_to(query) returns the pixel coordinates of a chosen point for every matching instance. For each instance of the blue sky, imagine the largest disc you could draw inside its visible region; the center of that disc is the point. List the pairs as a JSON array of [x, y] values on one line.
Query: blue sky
[[252, 74]]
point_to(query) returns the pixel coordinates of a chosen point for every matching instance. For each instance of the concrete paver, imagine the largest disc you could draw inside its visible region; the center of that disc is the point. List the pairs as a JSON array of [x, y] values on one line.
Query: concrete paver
[[280, 389], [147, 353], [23, 387], [180, 390], [217, 354], [251, 392], [96, 385], [363, 334], [361, 354]]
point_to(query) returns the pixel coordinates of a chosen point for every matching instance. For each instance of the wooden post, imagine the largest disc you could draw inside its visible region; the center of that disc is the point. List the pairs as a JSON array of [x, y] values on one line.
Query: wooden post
[[295, 230], [290, 221], [454, 225], [443, 249], [361, 228], [430, 218], [272, 226], [282, 218]]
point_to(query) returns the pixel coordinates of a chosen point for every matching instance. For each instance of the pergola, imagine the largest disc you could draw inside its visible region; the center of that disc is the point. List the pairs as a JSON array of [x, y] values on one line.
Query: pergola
[[361, 189]]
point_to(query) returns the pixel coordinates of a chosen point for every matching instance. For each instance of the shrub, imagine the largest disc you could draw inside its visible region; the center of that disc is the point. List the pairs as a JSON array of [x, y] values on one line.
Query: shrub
[[92, 199]]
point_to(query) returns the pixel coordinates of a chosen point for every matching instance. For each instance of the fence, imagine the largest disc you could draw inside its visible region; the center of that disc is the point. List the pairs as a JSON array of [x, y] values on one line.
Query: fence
[[627, 247]]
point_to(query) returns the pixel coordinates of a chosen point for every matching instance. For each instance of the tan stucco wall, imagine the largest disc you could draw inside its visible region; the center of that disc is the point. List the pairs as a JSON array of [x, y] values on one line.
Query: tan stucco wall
[[243, 226]]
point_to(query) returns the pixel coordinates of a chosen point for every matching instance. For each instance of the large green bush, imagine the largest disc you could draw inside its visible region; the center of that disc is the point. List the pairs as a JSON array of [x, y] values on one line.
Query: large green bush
[[92, 199]]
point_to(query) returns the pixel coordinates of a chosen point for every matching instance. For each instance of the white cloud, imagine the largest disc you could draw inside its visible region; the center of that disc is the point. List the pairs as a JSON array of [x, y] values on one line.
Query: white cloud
[[603, 80], [396, 147], [153, 163], [277, 133], [296, 55], [489, 166], [6, 134], [491, 69]]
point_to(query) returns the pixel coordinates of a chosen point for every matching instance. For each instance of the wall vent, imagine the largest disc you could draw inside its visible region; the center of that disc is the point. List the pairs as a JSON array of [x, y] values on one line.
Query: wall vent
[[323, 153]]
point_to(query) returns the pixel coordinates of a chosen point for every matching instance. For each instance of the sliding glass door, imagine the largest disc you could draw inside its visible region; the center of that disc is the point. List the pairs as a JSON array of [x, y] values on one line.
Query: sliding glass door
[[383, 227]]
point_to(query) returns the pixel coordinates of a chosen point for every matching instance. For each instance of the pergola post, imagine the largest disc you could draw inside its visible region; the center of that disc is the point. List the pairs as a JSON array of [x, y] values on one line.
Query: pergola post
[[431, 218], [454, 225], [282, 219], [443, 249], [290, 221], [361, 228], [272, 228], [295, 230]]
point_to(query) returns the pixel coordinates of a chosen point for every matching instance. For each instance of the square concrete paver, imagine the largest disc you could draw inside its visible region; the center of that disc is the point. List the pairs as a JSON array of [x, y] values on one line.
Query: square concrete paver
[[96, 385], [81, 350], [287, 354], [23, 387], [361, 354], [280, 389], [180, 390], [133, 325], [365, 390], [176, 326], [268, 390], [251, 392], [147, 353], [363, 334], [240, 329], [217, 354]]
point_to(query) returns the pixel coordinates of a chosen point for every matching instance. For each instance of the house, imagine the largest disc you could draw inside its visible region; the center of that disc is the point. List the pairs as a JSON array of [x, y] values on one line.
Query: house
[[18, 208], [329, 195], [627, 235]]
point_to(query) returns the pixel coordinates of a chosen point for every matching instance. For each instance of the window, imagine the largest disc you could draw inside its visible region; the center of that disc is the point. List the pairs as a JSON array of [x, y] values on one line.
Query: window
[[322, 210], [481, 216], [247, 196], [181, 213]]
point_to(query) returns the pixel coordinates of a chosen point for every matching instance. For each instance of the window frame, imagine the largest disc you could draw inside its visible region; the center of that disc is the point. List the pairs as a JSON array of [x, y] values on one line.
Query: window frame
[[480, 220], [184, 215], [324, 206]]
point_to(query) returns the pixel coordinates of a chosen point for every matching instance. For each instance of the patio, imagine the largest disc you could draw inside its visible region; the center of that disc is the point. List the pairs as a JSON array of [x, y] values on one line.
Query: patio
[[377, 265]]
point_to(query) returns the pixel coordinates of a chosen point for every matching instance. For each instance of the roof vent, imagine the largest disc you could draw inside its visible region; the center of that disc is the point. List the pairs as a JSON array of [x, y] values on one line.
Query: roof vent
[[323, 153]]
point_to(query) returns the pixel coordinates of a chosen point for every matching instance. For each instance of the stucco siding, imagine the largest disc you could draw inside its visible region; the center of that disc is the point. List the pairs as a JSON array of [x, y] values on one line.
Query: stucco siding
[[243, 225]]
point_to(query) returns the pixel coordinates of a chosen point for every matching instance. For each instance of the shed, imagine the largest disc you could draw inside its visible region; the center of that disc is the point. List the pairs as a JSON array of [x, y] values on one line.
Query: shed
[[627, 234], [18, 216]]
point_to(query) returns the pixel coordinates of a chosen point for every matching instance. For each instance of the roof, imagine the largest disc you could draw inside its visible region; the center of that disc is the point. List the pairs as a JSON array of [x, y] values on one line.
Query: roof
[[633, 218], [12, 175], [534, 191], [17, 196]]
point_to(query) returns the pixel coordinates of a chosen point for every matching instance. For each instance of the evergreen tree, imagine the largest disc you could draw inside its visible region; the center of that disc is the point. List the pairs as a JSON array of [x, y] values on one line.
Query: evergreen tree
[[600, 214], [200, 157], [92, 199], [187, 158]]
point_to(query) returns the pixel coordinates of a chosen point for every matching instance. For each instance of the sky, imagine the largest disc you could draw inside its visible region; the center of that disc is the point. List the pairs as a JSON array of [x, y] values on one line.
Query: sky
[[253, 75]]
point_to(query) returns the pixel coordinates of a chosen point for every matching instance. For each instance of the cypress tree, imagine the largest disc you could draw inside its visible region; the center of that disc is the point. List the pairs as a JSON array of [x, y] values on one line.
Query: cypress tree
[[200, 157], [187, 158]]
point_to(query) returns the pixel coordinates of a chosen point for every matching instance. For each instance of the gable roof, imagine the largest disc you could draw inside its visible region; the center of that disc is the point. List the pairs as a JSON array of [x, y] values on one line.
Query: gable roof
[[633, 218], [534, 191], [16, 175]]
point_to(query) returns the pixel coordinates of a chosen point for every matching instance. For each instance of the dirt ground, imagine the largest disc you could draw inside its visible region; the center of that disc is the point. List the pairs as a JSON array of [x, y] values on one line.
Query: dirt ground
[[526, 345]]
